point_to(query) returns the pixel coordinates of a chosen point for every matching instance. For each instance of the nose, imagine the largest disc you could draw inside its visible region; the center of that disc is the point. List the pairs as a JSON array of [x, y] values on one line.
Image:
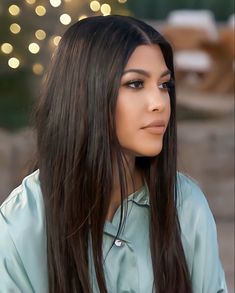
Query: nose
[[157, 100]]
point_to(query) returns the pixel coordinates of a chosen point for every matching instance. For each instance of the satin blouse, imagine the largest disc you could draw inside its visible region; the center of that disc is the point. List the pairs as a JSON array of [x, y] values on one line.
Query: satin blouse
[[128, 266]]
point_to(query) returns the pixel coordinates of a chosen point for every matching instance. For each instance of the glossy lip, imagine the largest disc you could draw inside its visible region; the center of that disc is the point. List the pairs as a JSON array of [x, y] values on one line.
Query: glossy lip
[[155, 127]]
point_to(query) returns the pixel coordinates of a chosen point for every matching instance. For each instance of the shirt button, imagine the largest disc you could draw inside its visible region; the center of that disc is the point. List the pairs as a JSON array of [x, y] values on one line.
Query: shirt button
[[118, 243]]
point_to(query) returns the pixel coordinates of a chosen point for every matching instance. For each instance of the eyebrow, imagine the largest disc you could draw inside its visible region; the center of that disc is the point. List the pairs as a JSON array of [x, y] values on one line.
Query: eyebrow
[[145, 73]]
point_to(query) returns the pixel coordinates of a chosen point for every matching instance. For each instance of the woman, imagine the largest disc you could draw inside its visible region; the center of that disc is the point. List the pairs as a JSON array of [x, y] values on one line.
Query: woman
[[107, 210]]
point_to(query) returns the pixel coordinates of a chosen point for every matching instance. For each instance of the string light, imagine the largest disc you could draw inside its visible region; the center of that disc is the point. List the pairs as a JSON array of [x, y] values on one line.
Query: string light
[[6, 48], [37, 68], [82, 17], [40, 34], [55, 3], [95, 6], [34, 48], [56, 40], [15, 28], [105, 9], [40, 10], [13, 62], [14, 10], [30, 1], [65, 19]]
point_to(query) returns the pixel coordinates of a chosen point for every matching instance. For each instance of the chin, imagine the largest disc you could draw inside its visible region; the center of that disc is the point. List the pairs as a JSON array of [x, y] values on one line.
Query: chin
[[149, 152], [144, 150]]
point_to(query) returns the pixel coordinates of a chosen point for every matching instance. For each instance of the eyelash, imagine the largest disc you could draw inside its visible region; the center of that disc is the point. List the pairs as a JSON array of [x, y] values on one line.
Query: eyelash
[[140, 84]]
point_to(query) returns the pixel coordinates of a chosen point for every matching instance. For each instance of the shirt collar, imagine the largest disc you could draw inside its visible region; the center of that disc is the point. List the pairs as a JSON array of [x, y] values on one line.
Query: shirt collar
[[140, 197]]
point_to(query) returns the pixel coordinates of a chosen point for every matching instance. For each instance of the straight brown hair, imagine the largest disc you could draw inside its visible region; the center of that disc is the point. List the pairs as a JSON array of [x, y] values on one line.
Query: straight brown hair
[[76, 137]]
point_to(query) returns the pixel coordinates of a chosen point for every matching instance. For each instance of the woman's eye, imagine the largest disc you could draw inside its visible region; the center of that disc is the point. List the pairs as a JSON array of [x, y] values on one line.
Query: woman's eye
[[135, 84], [167, 85]]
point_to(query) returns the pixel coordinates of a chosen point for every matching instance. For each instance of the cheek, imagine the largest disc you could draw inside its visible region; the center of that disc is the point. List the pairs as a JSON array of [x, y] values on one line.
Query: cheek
[[129, 116], [128, 113]]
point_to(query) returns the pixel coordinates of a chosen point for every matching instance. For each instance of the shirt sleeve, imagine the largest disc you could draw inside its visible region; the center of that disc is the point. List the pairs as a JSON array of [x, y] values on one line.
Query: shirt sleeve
[[199, 238], [13, 277], [207, 272]]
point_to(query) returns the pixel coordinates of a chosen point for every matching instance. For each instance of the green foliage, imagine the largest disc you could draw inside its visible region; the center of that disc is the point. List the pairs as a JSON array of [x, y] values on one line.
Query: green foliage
[[158, 9], [15, 99]]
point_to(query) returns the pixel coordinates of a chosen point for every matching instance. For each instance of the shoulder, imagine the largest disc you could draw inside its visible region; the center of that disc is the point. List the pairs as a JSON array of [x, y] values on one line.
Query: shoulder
[[24, 203], [22, 212], [23, 230], [192, 205], [189, 193], [195, 217]]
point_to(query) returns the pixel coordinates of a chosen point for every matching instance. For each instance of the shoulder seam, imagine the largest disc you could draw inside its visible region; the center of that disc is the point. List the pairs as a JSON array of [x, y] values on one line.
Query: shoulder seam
[[17, 191]]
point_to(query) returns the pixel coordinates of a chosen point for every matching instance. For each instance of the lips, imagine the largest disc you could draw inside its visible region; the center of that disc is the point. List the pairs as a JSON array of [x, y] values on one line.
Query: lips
[[156, 123], [155, 127]]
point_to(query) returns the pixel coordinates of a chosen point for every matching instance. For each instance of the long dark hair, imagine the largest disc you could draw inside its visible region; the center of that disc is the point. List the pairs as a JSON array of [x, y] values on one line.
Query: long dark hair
[[77, 144]]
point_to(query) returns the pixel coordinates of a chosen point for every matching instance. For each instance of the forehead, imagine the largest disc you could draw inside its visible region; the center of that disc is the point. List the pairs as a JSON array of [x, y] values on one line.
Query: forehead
[[147, 57]]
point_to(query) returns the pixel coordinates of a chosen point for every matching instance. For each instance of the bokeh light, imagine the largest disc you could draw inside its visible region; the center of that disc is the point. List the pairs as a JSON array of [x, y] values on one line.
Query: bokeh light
[[55, 3], [40, 34], [6, 48], [95, 6], [30, 1], [44, 8], [65, 19], [105, 9], [37, 68], [13, 62], [14, 10], [15, 28], [56, 40], [82, 16], [40, 10], [34, 48]]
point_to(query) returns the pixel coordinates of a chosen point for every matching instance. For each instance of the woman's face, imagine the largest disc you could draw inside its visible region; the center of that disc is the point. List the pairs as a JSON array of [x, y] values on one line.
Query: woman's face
[[143, 104]]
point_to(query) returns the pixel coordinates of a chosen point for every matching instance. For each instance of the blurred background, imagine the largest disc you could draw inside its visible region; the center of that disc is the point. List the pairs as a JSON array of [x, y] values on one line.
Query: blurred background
[[202, 35]]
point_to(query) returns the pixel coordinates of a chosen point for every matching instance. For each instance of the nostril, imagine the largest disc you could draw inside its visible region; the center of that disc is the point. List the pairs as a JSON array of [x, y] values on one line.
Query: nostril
[[156, 110]]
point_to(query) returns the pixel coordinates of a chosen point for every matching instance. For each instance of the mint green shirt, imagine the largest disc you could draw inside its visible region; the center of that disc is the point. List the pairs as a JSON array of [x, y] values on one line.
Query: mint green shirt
[[128, 267]]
